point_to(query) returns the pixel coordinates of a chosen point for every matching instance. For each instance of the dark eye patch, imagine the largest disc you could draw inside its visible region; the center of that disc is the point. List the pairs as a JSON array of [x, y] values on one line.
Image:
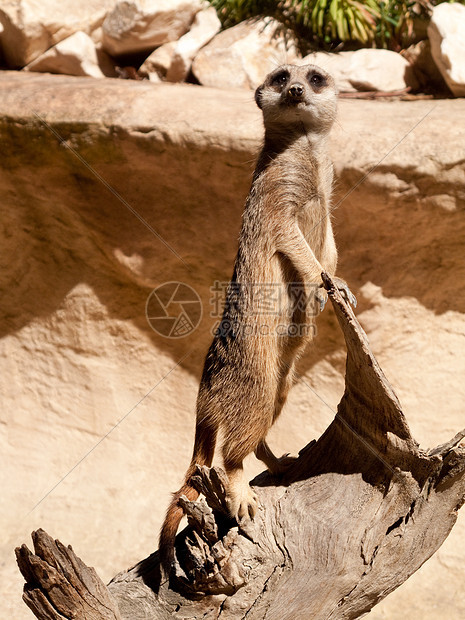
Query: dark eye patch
[[280, 78], [317, 80]]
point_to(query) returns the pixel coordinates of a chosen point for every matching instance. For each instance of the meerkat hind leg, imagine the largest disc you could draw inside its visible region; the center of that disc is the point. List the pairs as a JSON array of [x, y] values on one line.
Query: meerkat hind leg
[[275, 465], [240, 497]]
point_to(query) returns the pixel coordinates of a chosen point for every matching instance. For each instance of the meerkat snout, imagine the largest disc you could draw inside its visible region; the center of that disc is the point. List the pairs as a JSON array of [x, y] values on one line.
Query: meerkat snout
[[296, 91]]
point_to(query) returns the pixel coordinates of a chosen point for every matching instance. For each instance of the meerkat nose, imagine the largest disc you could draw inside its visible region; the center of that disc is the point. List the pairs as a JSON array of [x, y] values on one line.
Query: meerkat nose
[[296, 91]]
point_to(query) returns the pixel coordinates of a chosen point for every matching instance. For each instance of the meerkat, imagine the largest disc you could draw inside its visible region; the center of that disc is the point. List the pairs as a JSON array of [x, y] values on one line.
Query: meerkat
[[286, 242]]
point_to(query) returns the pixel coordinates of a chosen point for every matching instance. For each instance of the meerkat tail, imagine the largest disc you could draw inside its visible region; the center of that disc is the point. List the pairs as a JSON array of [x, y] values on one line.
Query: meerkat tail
[[204, 448], [170, 526]]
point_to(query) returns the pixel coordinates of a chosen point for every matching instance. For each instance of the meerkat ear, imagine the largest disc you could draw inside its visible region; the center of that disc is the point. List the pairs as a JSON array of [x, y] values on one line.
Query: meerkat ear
[[258, 94]]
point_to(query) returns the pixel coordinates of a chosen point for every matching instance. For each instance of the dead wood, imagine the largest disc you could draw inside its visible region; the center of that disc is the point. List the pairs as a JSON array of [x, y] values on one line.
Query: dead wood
[[360, 511], [59, 584]]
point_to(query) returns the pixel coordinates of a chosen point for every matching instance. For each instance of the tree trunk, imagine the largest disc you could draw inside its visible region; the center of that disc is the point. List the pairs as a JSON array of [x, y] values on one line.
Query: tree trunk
[[359, 512]]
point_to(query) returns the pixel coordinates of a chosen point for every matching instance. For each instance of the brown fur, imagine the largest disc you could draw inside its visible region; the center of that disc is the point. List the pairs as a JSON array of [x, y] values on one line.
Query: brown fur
[[286, 238]]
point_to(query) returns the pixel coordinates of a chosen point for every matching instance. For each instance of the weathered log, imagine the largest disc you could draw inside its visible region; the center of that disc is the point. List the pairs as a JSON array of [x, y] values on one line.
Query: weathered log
[[360, 511], [59, 584]]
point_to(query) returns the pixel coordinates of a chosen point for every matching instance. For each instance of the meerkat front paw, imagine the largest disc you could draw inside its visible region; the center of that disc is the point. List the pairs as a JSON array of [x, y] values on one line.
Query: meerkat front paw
[[343, 287], [242, 503]]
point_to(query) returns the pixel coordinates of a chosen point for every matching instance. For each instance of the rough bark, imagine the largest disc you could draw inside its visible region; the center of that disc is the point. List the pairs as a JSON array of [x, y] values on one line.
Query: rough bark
[[360, 511]]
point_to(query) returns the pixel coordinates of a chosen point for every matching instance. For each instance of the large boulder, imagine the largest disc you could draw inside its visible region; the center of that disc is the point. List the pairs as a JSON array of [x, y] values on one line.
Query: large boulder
[[380, 70], [144, 185], [446, 33], [337, 64], [205, 26], [425, 69], [241, 56], [76, 55], [159, 61], [31, 27], [366, 70], [172, 61], [142, 25]]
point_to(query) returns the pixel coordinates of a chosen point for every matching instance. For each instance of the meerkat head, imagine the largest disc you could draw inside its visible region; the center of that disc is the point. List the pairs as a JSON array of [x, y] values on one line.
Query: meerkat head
[[292, 95]]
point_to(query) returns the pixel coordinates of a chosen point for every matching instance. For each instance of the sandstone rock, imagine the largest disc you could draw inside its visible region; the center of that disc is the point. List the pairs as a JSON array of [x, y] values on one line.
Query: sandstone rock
[[75, 55], [426, 72], [366, 70], [159, 61], [106, 63], [96, 36], [154, 77], [241, 56], [31, 27], [142, 25], [380, 70], [338, 65], [205, 26], [172, 61], [92, 397], [1, 46], [446, 33]]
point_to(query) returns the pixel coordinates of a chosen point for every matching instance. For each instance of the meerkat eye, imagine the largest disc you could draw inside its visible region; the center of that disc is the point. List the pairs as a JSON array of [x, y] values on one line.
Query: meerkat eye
[[316, 79], [280, 79]]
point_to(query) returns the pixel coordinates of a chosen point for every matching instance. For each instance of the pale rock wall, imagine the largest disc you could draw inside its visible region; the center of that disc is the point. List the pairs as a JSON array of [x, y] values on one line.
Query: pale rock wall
[[98, 410]]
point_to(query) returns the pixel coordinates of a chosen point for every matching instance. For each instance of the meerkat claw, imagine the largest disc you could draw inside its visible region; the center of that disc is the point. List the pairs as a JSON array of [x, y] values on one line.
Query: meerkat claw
[[243, 507], [344, 289], [321, 298], [252, 506], [348, 295]]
